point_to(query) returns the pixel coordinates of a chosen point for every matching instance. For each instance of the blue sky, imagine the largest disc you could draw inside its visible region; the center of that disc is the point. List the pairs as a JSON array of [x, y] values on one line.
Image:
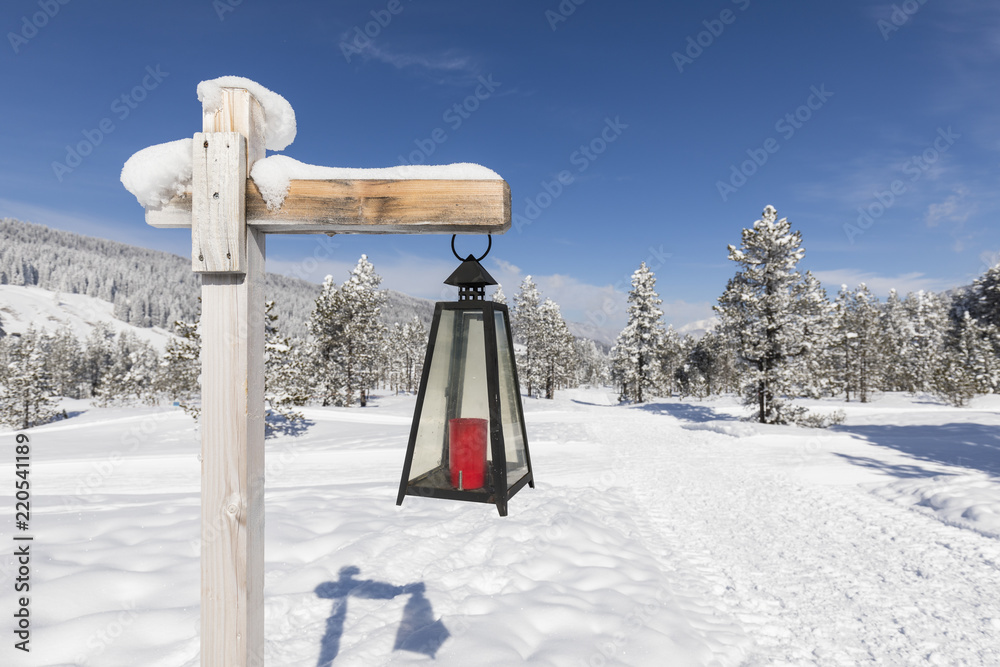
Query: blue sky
[[871, 126]]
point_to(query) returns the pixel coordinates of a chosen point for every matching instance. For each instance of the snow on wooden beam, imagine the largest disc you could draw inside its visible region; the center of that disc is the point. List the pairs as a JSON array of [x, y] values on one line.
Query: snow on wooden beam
[[362, 206]]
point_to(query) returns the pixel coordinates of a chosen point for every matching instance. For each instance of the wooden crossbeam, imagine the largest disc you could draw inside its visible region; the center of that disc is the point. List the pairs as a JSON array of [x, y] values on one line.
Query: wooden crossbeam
[[368, 206]]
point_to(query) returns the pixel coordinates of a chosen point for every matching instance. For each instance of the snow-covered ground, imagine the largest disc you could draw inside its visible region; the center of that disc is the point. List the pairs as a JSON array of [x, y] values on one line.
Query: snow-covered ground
[[663, 534]]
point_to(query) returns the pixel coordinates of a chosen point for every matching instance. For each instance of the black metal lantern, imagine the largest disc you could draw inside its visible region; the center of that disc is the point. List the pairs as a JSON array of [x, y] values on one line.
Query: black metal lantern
[[468, 440]]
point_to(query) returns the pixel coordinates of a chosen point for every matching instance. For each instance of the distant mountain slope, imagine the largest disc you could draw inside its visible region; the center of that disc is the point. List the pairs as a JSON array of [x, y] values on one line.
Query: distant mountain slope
[[145, 288], [24, 306], [151, 289], [699, 328]]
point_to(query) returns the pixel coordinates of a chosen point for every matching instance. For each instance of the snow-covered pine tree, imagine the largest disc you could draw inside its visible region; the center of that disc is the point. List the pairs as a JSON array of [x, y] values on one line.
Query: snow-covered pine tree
[[764, 313], [499, 296], [179, 376], [98, 356], [326, 326], [25, 384], [64, 356], [687, 379], [635, 361], [347, 335], [898, 333], [979, 346], [591, 363], [131, 375], [413, 349], [392, 359], [928, 316], [982, 300], [671, 358], [526, 330], [711, 370], [814, 377], [861, 339], [283, 381], [618, 370], [970, 364], [554, 353]]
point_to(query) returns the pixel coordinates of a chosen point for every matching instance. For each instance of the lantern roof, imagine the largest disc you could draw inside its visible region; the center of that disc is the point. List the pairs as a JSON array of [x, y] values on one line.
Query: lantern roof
[[470, 273]]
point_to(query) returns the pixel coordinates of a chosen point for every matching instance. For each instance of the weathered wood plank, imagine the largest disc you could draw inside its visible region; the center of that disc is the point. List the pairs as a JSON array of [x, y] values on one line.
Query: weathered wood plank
[[232, 463], [218, 229], [370, 207], [232, 423]]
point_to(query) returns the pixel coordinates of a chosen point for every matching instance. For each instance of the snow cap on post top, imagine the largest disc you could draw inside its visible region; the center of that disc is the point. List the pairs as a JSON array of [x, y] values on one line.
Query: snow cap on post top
[[279, 117]]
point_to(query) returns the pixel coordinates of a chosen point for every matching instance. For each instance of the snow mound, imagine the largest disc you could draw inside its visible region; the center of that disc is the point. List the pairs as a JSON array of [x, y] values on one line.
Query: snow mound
[[274, 174], [735, 429], [967, 501], [279, 117], [158, 173]]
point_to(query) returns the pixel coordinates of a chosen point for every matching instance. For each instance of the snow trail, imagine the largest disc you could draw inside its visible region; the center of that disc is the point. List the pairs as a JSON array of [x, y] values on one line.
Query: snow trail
[[814, 574]]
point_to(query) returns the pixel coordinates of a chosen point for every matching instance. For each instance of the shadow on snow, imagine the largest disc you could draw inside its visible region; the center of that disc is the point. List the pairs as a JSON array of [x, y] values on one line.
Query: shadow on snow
[[974, 446], [418, 631], [686, 412], [275, 425]]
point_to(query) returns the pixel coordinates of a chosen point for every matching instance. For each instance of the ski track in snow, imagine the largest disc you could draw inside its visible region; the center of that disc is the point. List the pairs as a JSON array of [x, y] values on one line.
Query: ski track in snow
[[814, 574]]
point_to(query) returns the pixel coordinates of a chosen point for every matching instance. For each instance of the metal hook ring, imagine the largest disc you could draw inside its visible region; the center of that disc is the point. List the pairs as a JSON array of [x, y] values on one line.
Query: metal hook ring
[[478, 259]]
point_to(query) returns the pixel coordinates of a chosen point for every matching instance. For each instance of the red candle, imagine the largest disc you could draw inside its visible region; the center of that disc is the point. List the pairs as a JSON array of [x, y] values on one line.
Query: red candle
[[467, 451]]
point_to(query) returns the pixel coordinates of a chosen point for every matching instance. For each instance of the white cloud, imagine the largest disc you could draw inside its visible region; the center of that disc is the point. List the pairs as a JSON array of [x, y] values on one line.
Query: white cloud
[[953, 209], [447, 62], [602, 306], [447, 67], [879, 284]]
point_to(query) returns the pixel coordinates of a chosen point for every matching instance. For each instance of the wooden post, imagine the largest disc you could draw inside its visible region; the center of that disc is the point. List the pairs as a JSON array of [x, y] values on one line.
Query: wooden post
[[231, 259], [228, 219]]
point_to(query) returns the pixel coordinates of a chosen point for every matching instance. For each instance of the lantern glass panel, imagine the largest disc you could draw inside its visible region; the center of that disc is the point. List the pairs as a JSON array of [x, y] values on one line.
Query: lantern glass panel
[[510, 405], [456, 388]]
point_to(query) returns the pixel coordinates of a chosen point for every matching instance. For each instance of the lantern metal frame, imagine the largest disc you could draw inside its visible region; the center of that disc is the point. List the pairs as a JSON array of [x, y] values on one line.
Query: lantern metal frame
[[431, 484]]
